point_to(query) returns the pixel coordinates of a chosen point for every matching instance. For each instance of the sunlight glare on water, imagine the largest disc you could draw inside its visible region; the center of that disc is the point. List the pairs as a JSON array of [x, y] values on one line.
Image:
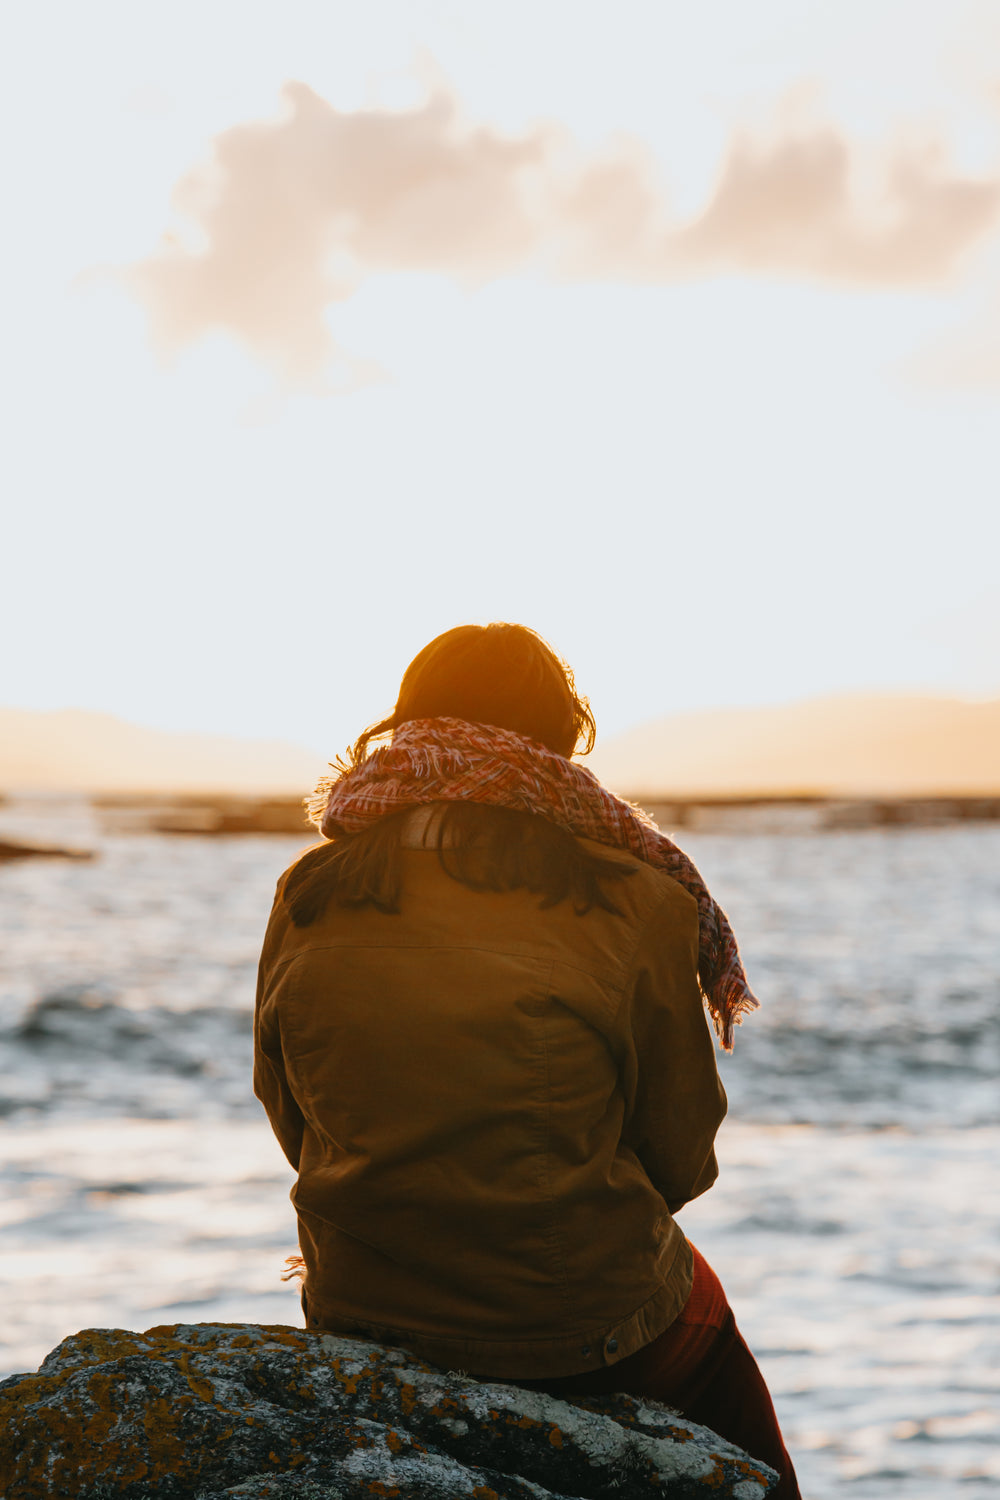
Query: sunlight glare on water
[[854, 1224]]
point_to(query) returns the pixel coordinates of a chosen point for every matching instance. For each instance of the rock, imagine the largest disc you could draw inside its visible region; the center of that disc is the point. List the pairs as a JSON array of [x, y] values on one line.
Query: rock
[[206, 1411], [9, 850], [204, 814], [815, 814]]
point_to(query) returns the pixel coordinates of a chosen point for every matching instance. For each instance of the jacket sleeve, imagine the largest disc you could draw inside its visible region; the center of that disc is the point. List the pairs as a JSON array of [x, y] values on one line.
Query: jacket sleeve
[[270, 1079], [675, 1101]]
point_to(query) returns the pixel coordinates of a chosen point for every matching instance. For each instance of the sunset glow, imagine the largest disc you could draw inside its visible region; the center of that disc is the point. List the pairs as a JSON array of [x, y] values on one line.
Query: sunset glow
[[669, 330]]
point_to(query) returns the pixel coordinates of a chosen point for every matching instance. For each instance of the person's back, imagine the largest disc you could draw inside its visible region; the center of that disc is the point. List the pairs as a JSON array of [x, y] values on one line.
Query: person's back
[[488, 1103]]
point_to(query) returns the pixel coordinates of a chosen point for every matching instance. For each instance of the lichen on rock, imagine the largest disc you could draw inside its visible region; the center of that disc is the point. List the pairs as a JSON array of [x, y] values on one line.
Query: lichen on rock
[[206, 1411]]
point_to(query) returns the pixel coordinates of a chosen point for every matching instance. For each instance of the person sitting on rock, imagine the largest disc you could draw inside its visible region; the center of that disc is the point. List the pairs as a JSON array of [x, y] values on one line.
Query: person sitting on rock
[[481, 1042]]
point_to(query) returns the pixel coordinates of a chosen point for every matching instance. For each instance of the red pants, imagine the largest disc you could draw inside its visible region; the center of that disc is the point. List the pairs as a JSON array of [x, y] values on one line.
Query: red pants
[[701, 1367]]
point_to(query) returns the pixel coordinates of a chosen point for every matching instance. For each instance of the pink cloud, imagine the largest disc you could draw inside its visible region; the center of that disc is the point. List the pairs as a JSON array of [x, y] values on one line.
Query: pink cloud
[[292, 215]]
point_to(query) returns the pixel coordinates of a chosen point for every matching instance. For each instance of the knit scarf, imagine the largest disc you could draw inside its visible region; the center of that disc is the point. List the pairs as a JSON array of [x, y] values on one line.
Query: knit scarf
[[449, 760]]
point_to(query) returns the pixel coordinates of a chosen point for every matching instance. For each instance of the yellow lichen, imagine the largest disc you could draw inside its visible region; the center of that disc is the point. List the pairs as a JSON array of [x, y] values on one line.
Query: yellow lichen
[[200, 1387], [407, 1398], [349, 1382], [717, 1478]]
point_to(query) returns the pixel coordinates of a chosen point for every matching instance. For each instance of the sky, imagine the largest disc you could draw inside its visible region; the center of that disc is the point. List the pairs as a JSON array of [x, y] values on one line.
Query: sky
[[670, 330]]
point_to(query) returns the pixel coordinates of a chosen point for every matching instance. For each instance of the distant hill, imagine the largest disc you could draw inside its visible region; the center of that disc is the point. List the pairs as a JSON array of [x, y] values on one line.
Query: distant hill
[[836, 746], [75, 750]]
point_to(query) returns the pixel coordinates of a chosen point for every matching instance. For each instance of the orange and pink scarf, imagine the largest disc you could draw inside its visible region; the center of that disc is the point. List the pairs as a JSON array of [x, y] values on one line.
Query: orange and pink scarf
[[449, 760]]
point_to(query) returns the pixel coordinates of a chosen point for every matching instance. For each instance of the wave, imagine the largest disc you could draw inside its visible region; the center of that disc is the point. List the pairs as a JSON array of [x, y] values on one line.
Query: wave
[[78, 1049], [75, 1048], [921, 1070]]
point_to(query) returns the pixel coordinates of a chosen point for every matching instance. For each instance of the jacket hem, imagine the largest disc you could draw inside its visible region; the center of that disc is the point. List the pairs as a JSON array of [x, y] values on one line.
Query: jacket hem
[[592, 1348]]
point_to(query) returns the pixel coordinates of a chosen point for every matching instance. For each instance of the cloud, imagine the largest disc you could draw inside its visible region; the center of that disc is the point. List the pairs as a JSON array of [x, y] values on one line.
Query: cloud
[[291, 215], [791, 209]]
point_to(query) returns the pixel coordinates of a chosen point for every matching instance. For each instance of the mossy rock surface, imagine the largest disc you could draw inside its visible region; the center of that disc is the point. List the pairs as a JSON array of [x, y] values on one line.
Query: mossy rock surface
[[205, 1411]]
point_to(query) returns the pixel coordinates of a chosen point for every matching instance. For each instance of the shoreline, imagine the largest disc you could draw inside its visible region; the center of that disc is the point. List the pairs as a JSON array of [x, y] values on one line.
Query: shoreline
[[216, 814]]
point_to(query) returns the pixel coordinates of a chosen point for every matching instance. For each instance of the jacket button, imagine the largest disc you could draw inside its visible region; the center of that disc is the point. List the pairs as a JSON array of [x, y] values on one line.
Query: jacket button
[[611, 1345], [585, 1352]]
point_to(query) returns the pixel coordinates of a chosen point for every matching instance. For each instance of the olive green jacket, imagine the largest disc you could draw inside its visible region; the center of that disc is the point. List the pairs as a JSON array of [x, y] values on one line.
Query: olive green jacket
[[494, 1111]]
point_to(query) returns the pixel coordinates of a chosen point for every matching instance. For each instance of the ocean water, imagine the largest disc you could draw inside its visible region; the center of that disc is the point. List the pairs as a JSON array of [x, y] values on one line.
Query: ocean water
[[855, 1222]]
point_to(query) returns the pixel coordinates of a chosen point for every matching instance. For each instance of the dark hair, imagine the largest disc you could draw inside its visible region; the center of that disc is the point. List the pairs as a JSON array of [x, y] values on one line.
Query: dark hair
[[499, 674], [492, 674]]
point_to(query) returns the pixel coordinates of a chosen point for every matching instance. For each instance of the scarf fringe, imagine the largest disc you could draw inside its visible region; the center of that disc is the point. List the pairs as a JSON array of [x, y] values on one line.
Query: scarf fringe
[[295, 1268]]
